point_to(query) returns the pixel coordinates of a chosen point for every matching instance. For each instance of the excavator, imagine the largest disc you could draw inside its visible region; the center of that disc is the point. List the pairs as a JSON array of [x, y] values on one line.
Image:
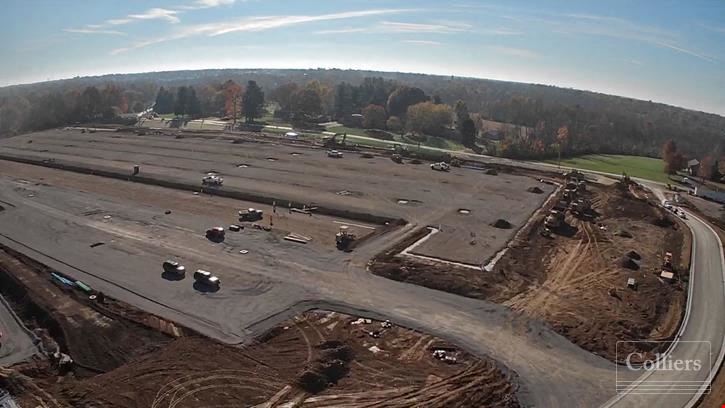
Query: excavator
[[331, 142], [344, 238]]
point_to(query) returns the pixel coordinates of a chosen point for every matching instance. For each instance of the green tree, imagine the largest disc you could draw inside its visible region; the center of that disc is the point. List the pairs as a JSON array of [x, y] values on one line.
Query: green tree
[[193, 104], [374, 117], [403, 97], [164, 101], [462, 114], [252, 102], [181, 103], [306, 104], [468, 133]]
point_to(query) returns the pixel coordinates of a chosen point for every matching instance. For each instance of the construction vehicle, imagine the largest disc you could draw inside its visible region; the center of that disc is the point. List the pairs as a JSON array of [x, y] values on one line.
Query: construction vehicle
[[335, 154], [344, 238], [397, 158], [580, 206], [667, 261], [440, 166], [215, 234], [250, 215], [212, 179], [331, 141], [554, 220]]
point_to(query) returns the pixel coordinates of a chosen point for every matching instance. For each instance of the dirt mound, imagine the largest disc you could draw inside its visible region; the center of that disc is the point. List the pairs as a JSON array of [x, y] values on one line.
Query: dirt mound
[[634, 255], [629, 263], [492, 172], [623, 234], [664, 222], [501, 223], [330, 366], [535, 190]]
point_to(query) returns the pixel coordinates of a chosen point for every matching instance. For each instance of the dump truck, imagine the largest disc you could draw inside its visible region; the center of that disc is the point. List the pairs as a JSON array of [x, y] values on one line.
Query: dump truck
[[554, 220], [250, 215], [344, 238]]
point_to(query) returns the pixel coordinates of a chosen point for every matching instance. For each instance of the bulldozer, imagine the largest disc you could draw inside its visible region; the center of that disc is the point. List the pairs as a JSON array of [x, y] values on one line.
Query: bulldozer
[[344, 238]]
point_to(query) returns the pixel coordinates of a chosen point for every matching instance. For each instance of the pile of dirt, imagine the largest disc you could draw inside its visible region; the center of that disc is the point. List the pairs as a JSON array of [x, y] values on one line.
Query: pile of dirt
[[491, 172], [663, 222], [634, 255], [535, 190], [501, 223], [330, 366]]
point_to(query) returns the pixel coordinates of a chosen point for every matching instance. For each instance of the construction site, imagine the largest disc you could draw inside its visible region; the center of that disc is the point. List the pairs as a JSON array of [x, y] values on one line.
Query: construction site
[[307, 273]]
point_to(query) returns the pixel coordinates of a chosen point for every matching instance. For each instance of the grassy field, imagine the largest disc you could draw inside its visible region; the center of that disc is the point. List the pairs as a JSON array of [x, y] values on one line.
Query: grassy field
[[634, 166]]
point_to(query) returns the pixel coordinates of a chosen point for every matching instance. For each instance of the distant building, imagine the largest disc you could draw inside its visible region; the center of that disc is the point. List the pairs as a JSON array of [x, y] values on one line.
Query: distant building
[[693, 167]]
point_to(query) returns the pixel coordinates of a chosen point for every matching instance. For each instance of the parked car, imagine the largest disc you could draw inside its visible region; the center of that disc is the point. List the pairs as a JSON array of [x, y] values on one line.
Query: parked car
[[335, 154], [174, 267], [206, 278], [215, 234], [441, 166]]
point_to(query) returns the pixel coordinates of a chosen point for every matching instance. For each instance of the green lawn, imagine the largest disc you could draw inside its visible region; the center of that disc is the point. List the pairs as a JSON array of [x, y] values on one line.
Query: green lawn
[[634, 166]]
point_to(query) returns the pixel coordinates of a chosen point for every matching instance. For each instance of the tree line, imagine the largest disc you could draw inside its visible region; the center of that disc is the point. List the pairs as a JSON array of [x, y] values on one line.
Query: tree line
[[536, 121]]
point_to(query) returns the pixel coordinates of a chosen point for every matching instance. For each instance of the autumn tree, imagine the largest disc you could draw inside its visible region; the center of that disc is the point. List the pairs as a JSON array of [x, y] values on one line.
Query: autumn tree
[[252, 102], [374, 117], [394, 124], [429, 118], [232, 99], [673, 159]]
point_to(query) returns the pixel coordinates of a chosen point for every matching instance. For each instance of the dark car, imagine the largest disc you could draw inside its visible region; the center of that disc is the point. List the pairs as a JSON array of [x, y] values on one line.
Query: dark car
[[174, 268]]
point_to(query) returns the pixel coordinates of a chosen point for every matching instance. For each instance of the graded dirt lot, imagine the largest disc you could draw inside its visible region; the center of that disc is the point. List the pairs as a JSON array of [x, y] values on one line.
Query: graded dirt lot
[[303, 174], [576, 280], [317, 359]]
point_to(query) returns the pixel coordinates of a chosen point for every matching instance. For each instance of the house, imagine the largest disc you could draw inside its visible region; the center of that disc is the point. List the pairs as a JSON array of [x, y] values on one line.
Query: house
[[693, 167]]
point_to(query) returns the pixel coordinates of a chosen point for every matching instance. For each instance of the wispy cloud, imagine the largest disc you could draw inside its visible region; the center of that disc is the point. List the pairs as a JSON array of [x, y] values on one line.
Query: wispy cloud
[[716, 29], [204, 4], [398, 27], [500, 31], [514, 52], [422, 42], [344, 31], [255, 24], [156, 14], [394, 27], [92, 31]]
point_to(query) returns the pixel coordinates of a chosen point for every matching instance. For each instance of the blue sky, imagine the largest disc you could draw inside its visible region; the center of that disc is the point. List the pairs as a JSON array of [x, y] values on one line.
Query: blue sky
[[666, 51]]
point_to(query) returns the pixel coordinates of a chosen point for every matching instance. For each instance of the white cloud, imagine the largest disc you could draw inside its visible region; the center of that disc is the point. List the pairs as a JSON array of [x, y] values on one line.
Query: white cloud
[[422, 42], [253, 24], [92, 31], [514, 52], [118, 21], [214, 3]]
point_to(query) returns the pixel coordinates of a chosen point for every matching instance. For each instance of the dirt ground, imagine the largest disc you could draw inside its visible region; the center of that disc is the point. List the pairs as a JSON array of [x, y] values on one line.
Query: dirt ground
[[127, 358], [321, 229], [367, 185], [575, 281]]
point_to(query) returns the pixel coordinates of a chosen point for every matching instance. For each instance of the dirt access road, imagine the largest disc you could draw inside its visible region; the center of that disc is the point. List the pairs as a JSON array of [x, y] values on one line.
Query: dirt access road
[[275, 282]]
